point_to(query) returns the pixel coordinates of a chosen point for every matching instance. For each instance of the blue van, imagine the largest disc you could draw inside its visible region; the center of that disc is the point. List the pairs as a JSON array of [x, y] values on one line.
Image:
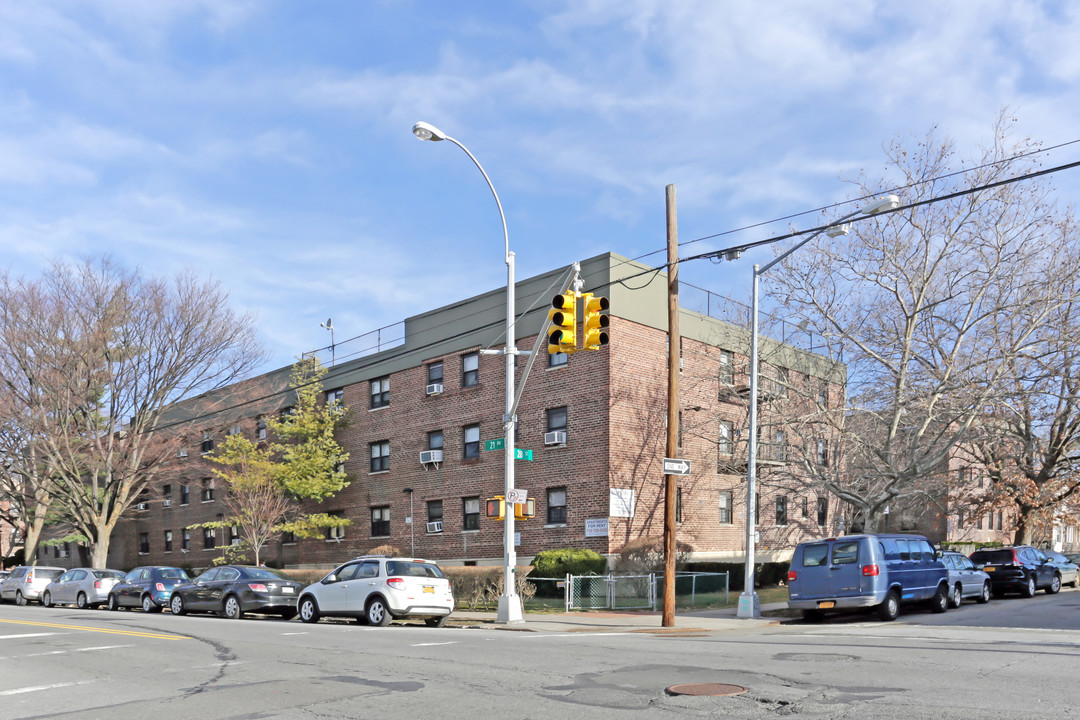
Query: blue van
[[866, 571]]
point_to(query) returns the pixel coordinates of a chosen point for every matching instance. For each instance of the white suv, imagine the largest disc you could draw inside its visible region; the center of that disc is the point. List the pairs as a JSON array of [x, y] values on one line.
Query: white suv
[[26, 582], [378, 589]]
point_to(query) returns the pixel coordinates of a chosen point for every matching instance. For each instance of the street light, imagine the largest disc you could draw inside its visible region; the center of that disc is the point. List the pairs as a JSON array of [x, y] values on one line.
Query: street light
[[749, 603], [509, 601]]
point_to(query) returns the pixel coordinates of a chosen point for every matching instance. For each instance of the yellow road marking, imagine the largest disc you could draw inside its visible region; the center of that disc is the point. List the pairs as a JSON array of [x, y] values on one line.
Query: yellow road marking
[[133, 633]]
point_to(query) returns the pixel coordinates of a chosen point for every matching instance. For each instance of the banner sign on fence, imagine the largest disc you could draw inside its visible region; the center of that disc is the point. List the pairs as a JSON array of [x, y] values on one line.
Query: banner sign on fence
[[596, 527]]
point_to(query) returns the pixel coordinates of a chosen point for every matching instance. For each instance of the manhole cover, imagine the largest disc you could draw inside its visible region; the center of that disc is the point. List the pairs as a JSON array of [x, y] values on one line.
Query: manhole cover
[[709, 689]]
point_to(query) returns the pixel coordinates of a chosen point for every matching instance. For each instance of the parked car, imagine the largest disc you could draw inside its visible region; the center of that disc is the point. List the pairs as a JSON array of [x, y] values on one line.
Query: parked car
[[866, 571], [378, 589], [1021, 569], [4, 574], [1070, 572], [82, 587], [233, 590], [147, 587], [965, 580], [1073, 557], [26, 582]]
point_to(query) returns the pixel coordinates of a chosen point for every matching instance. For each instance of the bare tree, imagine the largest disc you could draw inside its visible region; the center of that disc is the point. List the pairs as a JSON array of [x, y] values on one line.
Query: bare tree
[[929, 307], [105, 353]]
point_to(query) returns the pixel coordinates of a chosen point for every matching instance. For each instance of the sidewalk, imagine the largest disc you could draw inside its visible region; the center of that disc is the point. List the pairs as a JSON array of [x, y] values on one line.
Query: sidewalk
[[610, 621]]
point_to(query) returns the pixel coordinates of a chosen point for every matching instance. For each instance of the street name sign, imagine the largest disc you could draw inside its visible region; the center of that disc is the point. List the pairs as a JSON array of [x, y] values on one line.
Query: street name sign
[[496, 444]]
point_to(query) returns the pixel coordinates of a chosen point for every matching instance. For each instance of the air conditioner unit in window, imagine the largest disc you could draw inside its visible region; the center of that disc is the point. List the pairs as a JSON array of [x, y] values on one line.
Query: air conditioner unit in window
[[142, 506], [182, 453], [430, 456], [434, 389], [555, 438], [167, 502], [434, 527]]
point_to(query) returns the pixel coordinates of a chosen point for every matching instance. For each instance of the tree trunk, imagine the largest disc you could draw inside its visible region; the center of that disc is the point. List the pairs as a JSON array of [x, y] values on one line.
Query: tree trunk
[[31, 540], [100, 555], [1025, 522]]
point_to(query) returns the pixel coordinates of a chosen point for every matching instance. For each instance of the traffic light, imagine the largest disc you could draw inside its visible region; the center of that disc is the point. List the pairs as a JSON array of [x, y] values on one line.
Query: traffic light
[[496, 507], [595, 321], [525, 510], [563, 335]]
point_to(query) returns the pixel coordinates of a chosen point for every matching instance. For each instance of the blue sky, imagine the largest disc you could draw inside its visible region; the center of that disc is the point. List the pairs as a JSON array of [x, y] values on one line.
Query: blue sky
[[267, 143]]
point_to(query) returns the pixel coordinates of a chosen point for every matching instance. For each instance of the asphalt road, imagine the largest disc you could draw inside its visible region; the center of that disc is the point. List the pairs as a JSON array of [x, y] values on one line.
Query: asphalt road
[[1011, 658]]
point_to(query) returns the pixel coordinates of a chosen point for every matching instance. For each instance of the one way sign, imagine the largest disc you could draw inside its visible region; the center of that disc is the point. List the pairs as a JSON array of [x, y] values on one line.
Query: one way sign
[[676, 466]]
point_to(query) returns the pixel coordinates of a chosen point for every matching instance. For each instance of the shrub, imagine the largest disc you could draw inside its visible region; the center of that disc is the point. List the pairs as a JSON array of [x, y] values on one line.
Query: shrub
[[569, 561], [772, 573], [388, 550], [480, 587], [646, 555]]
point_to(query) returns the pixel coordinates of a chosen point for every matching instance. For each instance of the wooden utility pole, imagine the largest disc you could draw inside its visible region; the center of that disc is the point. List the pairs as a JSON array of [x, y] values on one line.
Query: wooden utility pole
[[668, 618]]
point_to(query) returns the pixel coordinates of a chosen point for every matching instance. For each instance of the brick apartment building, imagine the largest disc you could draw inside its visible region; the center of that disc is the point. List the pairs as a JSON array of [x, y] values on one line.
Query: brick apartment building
[[422, 405]]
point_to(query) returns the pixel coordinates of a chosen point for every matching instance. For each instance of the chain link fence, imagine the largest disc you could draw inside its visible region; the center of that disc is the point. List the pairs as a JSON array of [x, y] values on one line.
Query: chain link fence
[[631, 592]]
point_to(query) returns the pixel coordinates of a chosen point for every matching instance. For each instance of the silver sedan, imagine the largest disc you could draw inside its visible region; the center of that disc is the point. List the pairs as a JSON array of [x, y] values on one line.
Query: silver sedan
[[81, 587]]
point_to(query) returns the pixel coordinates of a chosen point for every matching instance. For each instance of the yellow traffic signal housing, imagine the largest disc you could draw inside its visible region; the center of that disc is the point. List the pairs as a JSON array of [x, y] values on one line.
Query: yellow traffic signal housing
[[563, 336], [595, 321], [496, 508], [525, 510]]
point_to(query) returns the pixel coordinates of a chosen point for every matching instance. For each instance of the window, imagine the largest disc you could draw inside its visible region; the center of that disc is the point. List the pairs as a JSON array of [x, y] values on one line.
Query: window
[[168, 541], [380, 456], [822, 511], [207, 442], [233, 430], [1000, 526], [435, 373], [208, 539], [380, 392], [727, 369], [781, 510], [470, 370], [185, 494], [823, 453], [724, 438], [434, 512], [960, 518], [845, 553], [144, 543], [208, 490], [335, 397], [166, 495], [678, 504], [260, 428], [556, 419], [805, 507], [286, 413], [336, 533], [779, 449], [435, 440], [288, 538], [814, 555], [185, 540], [979, 521], [823, 394], [472, 441], [556, 506], [558, 359], [783, 380], [725, 507], [380, 521], [471, 513], [234, 535]]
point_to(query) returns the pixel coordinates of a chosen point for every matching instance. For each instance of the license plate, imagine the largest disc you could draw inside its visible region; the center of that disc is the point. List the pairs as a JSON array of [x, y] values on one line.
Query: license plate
[[288, 590], [429, 589], [989, 569], [826, 605]]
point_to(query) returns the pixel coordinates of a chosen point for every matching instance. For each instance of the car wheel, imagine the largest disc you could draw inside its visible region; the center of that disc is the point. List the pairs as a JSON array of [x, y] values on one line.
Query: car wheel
[[956, 596], [940, 601], [19, 599], [111, 603], [890, 609], [80, 601], [148, 604], [232, 609], [984, 596], [1029, 589], [1055, 585], [309, 610], [377, 613], [46, 599], [436, 621], [176, 605]]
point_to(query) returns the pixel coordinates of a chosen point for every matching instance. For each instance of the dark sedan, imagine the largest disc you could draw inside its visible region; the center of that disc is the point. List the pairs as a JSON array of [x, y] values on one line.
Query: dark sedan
[[146, 587], [233, 590]]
